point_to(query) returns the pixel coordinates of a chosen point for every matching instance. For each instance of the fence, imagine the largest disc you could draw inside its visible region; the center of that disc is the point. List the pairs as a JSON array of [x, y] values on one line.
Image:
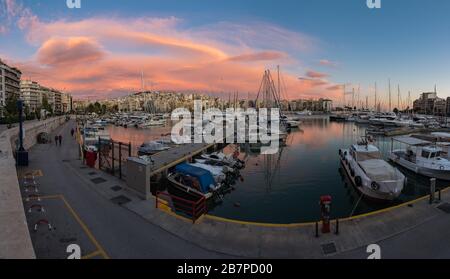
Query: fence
[[112, 156], [192, 209]]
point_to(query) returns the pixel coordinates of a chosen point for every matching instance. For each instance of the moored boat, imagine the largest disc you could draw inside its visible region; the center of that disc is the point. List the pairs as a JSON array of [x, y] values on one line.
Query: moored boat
[[372, 176]]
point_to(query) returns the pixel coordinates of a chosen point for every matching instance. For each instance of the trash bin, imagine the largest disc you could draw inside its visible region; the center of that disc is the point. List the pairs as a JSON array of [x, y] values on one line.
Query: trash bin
[[91, 158]]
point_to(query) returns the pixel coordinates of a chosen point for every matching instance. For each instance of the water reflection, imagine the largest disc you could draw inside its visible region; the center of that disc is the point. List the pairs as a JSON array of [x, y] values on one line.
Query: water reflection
[[286, 187]]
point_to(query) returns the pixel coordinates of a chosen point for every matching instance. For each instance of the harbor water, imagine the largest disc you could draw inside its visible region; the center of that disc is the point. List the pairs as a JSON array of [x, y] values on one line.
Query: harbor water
[[286, 187]]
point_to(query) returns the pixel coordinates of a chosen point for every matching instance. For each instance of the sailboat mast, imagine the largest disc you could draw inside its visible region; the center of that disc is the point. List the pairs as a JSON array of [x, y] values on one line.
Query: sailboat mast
[[398, 97], [390, 104], [376, 105]]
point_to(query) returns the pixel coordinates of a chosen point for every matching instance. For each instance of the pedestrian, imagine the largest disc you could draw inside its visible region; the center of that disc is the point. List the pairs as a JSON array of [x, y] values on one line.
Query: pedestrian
[[56, 140], [60, 140], [72, 132]]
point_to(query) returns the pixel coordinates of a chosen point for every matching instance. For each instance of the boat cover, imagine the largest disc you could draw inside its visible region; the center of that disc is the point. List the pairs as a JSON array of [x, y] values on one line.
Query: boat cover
[[379, 170], [204, 176]]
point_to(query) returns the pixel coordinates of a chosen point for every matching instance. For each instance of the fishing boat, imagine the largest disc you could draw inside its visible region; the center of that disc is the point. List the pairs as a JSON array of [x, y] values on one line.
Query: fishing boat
[[192, 183], [421, 157], [372, 176]]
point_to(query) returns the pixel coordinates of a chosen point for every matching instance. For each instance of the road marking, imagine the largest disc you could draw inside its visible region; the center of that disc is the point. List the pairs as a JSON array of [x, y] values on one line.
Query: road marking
[[85, 228]]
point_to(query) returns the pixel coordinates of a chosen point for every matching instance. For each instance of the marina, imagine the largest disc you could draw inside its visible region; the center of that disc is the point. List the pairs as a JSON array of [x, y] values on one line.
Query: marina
[[281, 188]]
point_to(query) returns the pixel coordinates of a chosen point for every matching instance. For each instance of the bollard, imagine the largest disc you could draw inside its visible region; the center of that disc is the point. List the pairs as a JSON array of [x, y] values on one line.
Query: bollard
[[337, 227], [432, 189], [317, 229]]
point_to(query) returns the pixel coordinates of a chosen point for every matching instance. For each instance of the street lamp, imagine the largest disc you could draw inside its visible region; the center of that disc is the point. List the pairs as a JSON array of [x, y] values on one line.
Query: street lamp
[[21, 153]]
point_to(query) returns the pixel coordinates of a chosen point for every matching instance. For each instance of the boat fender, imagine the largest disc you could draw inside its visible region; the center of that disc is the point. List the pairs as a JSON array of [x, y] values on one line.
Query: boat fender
[[405, 182], [375, 186], [358, 181]]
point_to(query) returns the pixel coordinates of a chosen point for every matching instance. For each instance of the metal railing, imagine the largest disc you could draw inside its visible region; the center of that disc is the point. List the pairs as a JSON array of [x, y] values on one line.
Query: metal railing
[[193, 209]]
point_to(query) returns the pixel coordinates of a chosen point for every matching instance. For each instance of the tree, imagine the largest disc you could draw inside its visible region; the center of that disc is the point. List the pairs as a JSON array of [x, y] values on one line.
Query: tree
[[46, 105]]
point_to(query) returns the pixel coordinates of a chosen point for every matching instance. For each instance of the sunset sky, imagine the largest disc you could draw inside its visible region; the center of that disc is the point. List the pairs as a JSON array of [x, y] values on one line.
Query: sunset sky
[[100, 50]]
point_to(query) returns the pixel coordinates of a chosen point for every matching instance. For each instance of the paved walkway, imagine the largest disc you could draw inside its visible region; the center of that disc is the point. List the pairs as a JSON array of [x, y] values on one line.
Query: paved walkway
[[84, 217], [137, 229]]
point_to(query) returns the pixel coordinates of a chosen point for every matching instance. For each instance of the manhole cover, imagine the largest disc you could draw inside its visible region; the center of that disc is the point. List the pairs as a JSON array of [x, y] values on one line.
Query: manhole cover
[[98, 180], [445, 207], [329, 248], [92, 173], [120, 200], [116, 188]]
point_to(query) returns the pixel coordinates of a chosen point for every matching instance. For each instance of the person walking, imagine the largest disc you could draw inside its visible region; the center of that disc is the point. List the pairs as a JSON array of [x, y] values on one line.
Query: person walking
[[56, 140], [60, 140], [72, 132]]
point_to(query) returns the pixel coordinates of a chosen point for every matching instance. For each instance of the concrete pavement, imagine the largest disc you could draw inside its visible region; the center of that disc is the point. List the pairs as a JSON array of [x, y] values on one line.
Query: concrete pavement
[[135, 229], [119, 232]]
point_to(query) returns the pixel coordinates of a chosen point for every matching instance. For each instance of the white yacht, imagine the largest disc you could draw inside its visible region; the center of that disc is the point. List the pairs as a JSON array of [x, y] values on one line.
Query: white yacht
[[421, 157], [372, 176]]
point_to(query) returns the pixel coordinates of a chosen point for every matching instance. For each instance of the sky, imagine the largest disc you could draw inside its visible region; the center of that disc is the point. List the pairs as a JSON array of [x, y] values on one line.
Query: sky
[[102, 49]]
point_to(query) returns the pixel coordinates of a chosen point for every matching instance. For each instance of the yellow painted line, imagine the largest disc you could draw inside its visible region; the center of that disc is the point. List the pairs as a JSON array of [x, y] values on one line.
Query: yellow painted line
[[85, 228], [294, 225], [91, 255], [216, 218]]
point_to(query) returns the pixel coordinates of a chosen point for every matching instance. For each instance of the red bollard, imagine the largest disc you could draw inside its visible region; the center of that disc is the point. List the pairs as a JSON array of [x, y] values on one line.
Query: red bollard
[[325, 211]]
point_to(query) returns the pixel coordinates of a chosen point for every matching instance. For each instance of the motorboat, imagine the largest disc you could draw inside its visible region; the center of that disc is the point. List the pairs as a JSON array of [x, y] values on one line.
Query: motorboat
[[151, 148], [226, 159], [219, 172], [422, 157], [372, 176], [192, 183]]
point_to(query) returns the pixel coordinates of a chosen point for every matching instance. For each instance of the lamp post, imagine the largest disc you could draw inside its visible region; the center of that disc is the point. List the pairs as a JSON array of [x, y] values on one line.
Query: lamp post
[[21, 153]]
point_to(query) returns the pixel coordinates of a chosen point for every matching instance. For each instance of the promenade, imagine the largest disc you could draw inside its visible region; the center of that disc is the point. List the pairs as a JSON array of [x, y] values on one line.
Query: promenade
[[94, 210]]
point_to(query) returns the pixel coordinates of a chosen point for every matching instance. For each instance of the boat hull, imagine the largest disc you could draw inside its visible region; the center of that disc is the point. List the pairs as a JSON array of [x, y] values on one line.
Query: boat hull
[[364, 190], [428, 172]]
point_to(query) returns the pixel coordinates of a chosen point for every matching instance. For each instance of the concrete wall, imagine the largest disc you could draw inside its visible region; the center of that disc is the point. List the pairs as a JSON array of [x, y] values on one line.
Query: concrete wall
[[15, 241]]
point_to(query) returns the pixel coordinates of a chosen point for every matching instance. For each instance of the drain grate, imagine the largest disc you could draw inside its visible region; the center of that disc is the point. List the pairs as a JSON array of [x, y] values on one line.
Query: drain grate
[[92, 173], [445, 207], [116, 188], [98, 180], [120, 200], [329, 248]]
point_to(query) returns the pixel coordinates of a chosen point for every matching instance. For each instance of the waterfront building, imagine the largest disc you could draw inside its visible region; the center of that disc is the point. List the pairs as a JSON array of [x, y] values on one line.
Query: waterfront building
[[66, 103], [429, 103], [9, 84], [31, 94]]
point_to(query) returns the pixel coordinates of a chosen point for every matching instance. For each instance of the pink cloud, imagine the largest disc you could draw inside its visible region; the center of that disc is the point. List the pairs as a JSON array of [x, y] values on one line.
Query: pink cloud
[[326, 62], [314, 74], [105, 56], [61, 51]]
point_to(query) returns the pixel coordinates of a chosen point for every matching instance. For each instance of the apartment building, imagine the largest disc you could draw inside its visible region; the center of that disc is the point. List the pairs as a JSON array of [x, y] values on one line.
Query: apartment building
[[31, 93], [9, 84]]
